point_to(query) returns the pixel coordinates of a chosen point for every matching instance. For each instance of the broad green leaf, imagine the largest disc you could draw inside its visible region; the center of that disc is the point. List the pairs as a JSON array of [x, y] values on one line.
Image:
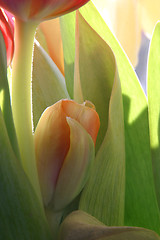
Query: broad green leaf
[[68, 37], [154, 105], [82, 226], [141, 207], [103, 195], [47, 81], [21, 214], [5, 103]]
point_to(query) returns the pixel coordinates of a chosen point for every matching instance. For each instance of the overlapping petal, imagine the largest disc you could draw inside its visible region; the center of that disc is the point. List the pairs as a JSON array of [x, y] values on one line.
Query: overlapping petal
[[61, 142]]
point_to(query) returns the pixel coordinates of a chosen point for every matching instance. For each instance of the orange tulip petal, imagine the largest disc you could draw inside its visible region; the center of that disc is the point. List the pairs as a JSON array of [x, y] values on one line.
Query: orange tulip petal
[[86, 116], [52, 140], [76, 167], [51, 146], [51, 31]]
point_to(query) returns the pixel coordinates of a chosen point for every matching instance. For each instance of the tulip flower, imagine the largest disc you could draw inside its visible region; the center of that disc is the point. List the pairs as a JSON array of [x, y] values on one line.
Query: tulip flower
[[28, 15], [7, 29], [64, 145], [40, 10]]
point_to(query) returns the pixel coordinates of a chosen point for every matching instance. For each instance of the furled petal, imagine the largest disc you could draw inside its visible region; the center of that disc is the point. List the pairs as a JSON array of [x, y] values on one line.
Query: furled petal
[[40, 9], [76, 167], [7, 29], [86, 116], [51, 146], [55, 140]]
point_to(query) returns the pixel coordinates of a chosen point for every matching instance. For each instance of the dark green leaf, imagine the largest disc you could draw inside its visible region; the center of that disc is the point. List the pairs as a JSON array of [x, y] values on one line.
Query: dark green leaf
[[21, 215]]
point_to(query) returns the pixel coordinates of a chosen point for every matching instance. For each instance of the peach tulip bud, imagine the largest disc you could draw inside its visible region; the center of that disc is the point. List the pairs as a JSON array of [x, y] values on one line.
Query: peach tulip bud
[[64, 146], [39, 10]]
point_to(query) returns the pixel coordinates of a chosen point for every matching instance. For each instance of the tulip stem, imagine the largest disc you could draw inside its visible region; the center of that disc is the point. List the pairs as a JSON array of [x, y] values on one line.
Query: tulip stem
[[22, 95], [54, 221]]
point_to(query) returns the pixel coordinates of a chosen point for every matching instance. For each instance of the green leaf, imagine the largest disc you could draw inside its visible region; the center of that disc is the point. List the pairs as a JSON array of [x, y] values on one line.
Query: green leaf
[[21, 214], [141, 207], [5, 103], [103, 195], [82, 226], [154, 105], [68, 37], [47, 81]]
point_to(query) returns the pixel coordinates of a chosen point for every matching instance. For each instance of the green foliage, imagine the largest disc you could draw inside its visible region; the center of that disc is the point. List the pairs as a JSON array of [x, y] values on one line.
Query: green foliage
[[154, 105], [123, 188], [5, 104], [47, 81], [103, 196], [21, 214], [140, 200], [141, 208]]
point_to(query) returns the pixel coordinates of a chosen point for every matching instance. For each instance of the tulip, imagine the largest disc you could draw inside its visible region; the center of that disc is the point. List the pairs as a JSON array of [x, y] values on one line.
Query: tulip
[[28, 15], [39, 9], [64, 146], [7, 29]]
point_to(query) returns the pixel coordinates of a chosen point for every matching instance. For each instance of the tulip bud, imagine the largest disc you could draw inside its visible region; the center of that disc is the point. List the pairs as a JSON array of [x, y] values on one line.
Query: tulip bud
[[39, 10], [64, 146]]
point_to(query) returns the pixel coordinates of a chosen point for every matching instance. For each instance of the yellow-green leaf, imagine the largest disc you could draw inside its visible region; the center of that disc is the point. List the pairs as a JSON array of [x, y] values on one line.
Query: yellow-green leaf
[[154, 105], [103, 195]]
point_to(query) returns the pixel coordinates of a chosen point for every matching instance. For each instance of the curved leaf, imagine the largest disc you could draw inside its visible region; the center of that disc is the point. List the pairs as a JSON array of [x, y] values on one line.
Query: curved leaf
[[47, 81], [141, 207], [154, 105], [68, 37], [103, 196], [21, 213]]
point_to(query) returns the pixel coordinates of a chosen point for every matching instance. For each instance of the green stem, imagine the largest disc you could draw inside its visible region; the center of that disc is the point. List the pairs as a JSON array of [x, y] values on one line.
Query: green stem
[[21, 97], [54, 221]]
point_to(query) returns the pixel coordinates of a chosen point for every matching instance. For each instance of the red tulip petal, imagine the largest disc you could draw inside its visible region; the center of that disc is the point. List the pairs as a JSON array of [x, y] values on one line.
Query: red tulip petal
[[7, 29], [40, 9]]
